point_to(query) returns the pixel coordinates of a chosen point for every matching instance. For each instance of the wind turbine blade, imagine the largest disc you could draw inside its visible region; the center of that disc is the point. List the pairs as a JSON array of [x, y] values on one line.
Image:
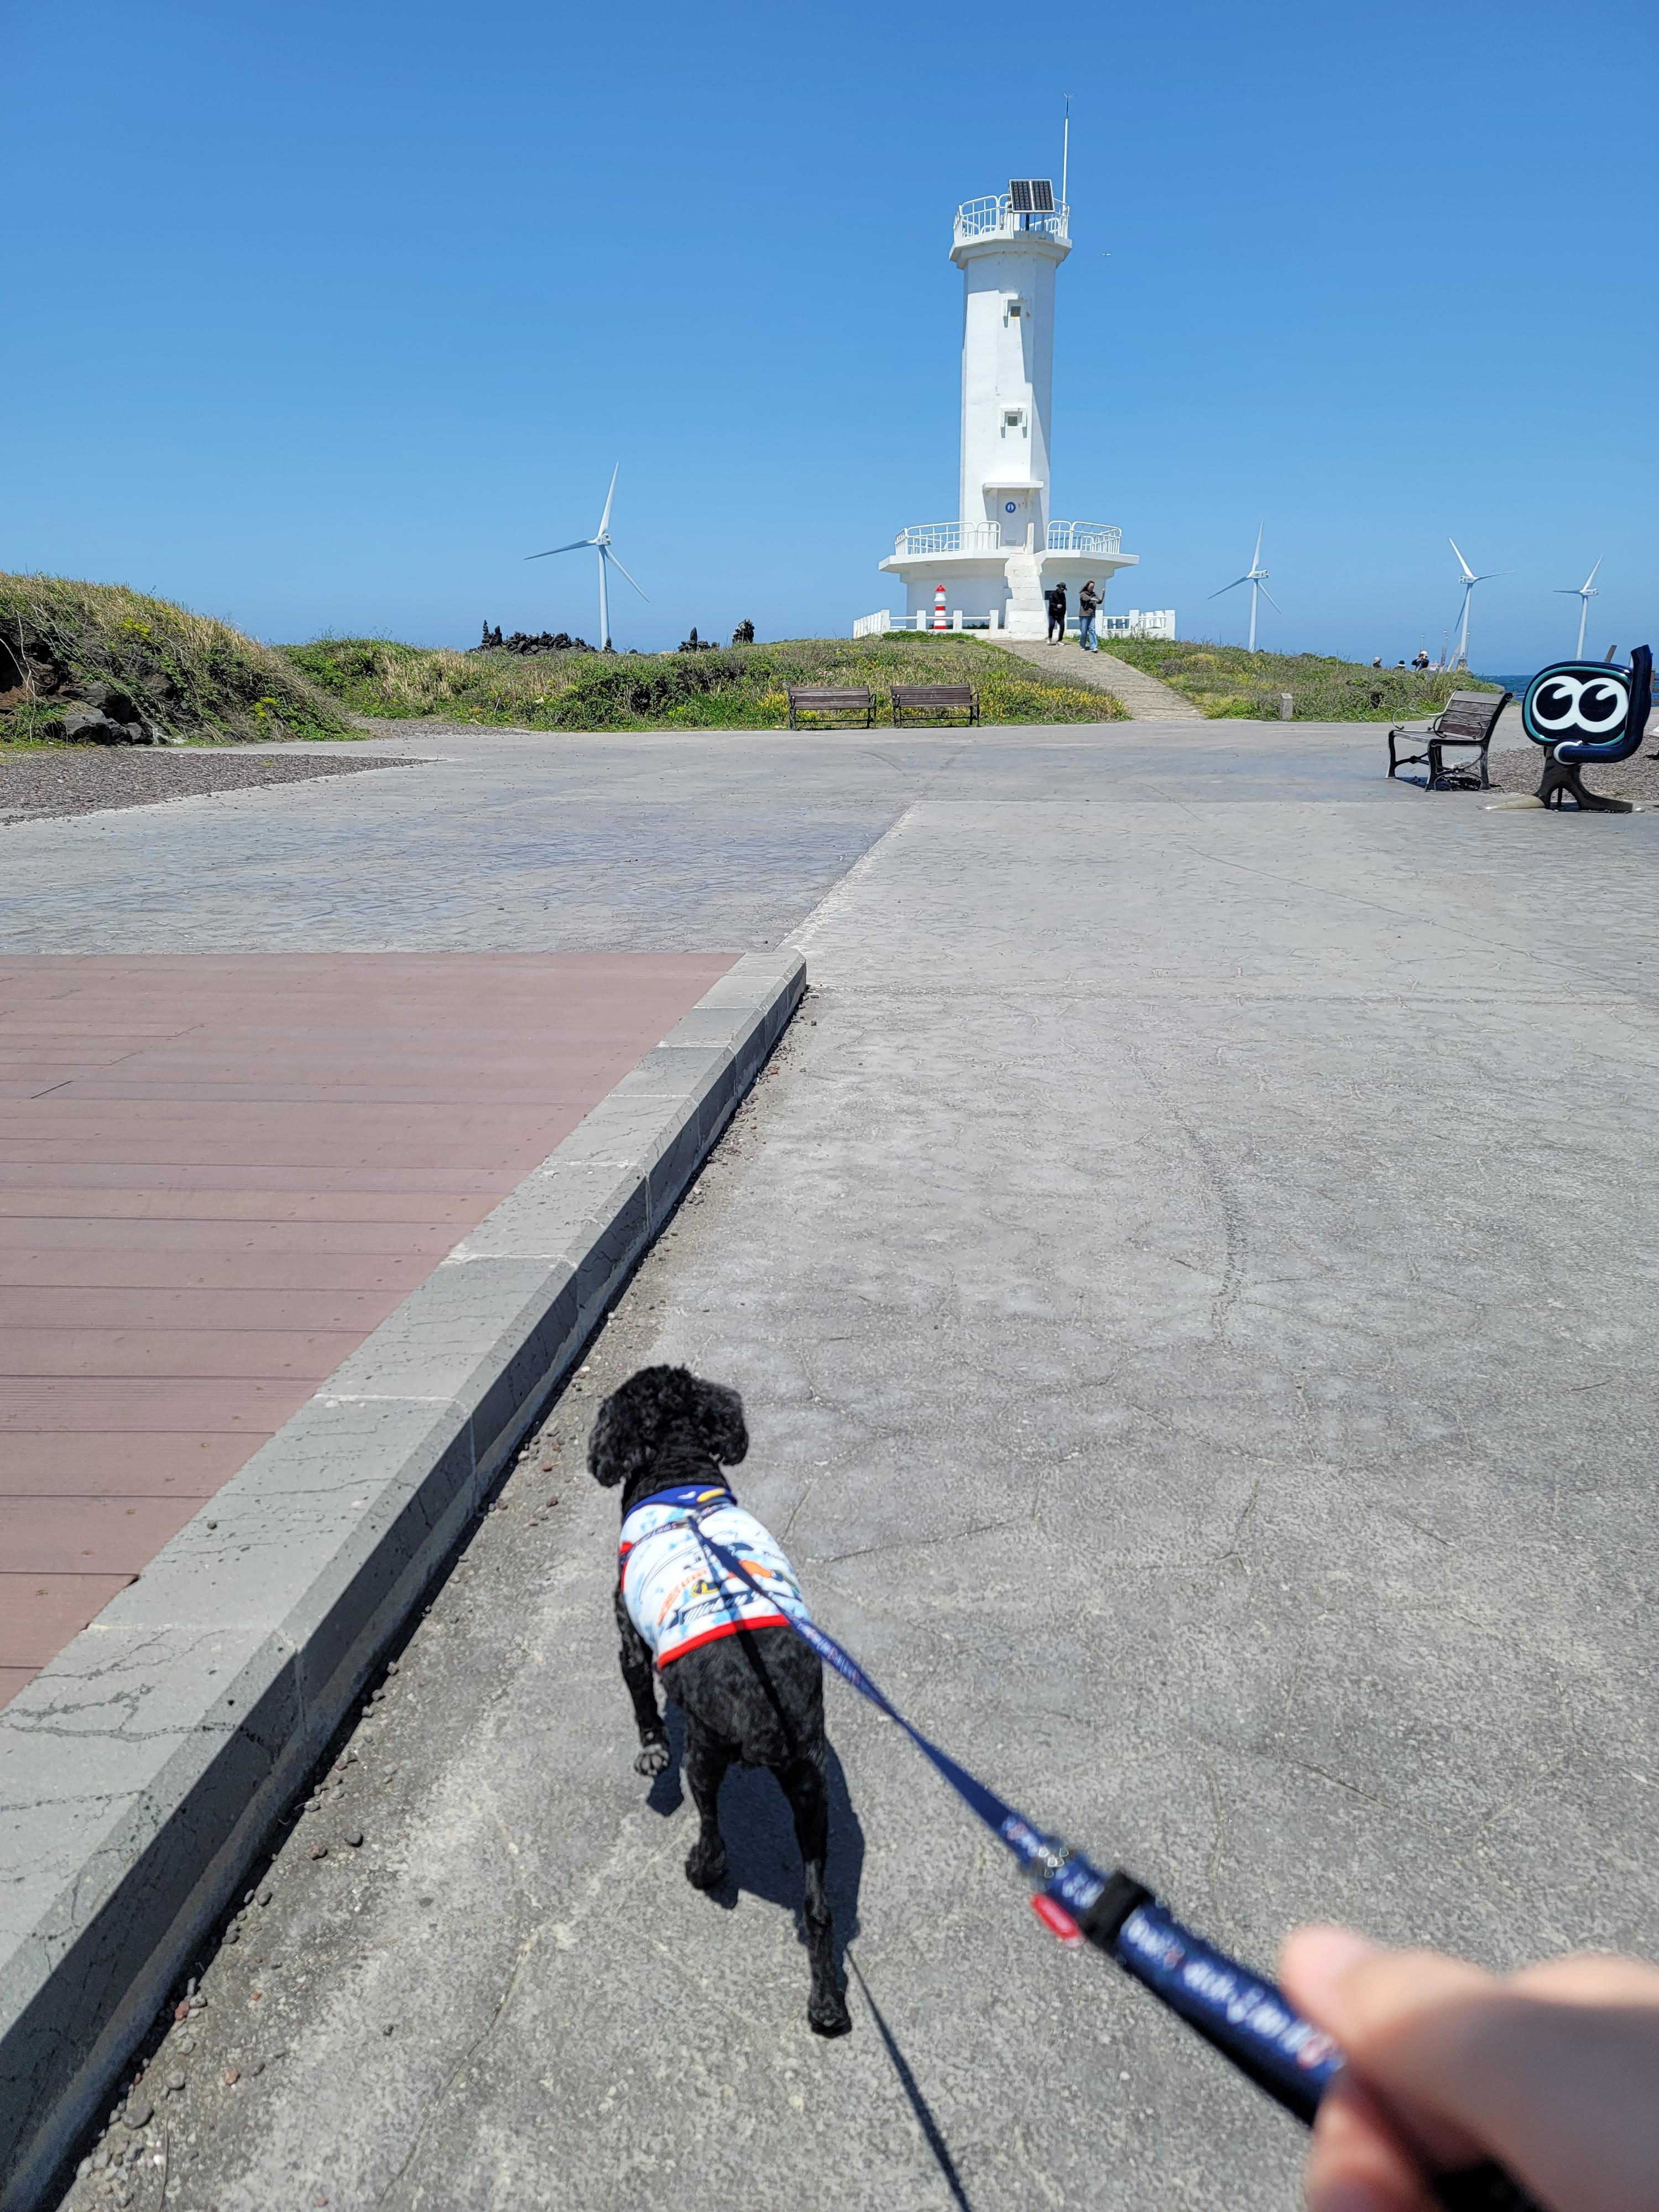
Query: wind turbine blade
[[1233, 586], [605, 519], [552, 550], [1462, 562], [1590, 579], [1255, 557], [1566, 591], [609, 556], [1271, 600]]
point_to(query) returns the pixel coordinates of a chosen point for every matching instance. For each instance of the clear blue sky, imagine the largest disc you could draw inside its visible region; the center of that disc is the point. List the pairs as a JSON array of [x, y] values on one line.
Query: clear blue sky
[[322, 317]]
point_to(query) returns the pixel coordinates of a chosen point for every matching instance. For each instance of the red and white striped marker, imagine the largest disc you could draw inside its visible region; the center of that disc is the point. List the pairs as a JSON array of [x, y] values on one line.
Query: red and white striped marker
[[939, 607]]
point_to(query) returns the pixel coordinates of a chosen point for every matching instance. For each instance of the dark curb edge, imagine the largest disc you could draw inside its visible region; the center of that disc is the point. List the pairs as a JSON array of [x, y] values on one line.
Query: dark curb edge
[[141, 1770]]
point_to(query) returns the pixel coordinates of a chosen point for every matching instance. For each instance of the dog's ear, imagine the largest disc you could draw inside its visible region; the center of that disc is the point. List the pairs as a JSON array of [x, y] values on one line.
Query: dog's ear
[[719, 1416], [620, 1442]]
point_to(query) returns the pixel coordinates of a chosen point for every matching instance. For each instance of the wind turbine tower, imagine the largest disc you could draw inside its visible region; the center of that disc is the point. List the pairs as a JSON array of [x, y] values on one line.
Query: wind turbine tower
[[601, 539], [1470, 580], [1585, 592], [1257, 577]]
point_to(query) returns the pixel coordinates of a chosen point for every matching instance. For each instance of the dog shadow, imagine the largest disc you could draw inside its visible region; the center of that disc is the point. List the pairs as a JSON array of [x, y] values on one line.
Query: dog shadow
[[762, 1858]]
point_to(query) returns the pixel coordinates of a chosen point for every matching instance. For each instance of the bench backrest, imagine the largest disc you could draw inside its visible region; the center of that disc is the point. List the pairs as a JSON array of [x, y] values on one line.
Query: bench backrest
[[1471, 714], [823, 697], [933, 694]]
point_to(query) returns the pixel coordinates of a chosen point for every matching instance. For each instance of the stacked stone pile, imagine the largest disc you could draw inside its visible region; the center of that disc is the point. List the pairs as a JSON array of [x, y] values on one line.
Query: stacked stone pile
[[523, 641]]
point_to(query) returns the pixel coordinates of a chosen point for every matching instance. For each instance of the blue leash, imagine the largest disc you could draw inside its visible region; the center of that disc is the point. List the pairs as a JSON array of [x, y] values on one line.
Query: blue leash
[[1241, 2014]]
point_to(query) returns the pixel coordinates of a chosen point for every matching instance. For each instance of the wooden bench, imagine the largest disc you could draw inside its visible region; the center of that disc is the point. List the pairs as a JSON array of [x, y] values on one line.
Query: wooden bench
[[933, 700], [830, 699], [1467, 720]]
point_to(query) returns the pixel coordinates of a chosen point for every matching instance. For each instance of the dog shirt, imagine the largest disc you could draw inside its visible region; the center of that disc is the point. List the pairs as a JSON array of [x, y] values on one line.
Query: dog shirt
[[676, 1595]]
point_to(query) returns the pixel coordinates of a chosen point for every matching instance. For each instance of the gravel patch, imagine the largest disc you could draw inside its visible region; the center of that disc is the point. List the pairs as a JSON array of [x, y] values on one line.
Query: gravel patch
[[36, 785], [1636, 779]]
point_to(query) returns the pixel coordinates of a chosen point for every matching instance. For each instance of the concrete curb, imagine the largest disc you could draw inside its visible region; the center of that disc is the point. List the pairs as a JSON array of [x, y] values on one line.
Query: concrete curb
[[140, 1771]]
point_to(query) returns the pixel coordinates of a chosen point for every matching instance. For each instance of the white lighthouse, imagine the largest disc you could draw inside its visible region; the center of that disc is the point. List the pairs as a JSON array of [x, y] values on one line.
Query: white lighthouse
[[1006, 550]]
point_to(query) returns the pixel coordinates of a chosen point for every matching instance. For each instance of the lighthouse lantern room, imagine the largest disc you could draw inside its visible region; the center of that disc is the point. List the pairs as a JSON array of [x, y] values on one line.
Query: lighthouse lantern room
[[994, 564]]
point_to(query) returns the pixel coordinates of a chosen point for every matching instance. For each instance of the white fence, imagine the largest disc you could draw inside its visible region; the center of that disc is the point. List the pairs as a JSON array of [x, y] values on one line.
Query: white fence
[[877, 624], [1154, 622]]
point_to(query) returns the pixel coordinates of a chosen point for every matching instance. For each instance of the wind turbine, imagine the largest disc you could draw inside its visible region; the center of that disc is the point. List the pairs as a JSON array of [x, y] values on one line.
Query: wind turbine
[[1257, 577], [601, 538], [1585, 592], [1470, 580]]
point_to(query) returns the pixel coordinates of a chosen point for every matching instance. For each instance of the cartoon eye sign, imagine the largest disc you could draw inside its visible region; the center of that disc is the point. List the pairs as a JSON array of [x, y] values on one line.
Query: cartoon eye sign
[[1577, 702], [1565, 705]]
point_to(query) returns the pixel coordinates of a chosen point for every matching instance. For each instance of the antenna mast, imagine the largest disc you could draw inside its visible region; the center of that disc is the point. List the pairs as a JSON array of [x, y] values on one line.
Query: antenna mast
[[1066, 151]]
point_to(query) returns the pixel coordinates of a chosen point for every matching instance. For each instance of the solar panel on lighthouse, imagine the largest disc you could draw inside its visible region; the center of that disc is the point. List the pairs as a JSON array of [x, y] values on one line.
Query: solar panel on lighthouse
[[1019, 196]]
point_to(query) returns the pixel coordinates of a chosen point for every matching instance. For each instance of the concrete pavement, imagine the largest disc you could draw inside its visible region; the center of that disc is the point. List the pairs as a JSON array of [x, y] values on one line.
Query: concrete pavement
[[1189, 1269], [515, 842]]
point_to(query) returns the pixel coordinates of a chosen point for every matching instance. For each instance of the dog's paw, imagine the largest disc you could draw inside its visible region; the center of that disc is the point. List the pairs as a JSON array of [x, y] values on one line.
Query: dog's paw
[[653, 1759], [827, 2015], [705, 1867]]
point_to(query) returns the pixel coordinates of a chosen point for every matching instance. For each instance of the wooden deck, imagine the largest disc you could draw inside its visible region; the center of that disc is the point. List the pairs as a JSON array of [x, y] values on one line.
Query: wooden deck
[[217, 1174]]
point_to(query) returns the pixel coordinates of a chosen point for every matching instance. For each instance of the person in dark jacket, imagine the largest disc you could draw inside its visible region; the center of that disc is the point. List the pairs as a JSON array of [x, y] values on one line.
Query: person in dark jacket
[[1088, 606], [1056, 600]]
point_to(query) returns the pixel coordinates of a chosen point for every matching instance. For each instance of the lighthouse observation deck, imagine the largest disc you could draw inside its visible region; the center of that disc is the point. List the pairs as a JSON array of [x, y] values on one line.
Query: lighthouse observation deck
[[1005, 217], [928, 539]]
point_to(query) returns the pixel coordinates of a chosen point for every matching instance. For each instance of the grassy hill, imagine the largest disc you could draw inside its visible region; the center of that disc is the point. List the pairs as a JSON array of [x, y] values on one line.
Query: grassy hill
[[1229, 680], [740, 687], [65, 645]]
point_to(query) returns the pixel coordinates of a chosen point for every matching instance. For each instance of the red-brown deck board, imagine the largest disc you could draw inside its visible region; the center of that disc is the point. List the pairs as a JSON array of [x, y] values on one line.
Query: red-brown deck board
[[218, 1174]]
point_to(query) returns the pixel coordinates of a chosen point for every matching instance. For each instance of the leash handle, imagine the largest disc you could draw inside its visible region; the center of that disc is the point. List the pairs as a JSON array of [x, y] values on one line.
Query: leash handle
[[1251, 2022], [1245, 2017]]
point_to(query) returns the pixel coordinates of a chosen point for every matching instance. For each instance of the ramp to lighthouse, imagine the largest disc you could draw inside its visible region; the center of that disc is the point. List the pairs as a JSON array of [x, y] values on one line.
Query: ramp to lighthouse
[[1146, 699]]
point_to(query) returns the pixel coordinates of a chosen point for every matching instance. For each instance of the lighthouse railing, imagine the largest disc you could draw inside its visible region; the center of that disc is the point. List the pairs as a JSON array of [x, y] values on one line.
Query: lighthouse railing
[[994, 218], [948, 538], [1085, 537]]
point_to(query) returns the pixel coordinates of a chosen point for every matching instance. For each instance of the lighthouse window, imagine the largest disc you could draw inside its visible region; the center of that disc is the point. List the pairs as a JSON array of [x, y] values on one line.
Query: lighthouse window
[[1012, 418]]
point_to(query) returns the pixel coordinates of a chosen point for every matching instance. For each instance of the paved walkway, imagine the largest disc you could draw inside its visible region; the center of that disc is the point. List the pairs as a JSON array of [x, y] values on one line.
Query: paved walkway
[[217, 1174], [1146, 698], [508, 842], [1188, 1272]]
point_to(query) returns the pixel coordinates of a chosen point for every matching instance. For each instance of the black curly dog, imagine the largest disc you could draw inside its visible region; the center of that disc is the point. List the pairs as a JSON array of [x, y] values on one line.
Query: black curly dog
[[756, 1697]]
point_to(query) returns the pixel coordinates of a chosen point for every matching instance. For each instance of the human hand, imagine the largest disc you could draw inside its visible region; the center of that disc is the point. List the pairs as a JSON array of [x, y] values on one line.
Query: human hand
[[1552, 2072]]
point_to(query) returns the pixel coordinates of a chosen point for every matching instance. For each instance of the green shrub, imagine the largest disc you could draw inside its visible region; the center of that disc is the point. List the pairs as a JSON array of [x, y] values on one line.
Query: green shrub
[[744, 687]]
